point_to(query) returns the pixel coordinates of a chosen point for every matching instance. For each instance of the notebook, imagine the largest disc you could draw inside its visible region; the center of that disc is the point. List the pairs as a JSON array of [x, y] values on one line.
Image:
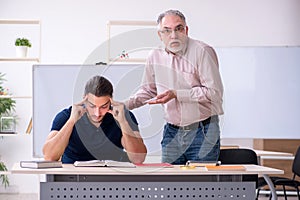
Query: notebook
[[39, 164]]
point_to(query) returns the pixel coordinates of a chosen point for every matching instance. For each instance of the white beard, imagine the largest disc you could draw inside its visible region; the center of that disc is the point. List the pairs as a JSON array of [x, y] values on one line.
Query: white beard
[[178, 47]]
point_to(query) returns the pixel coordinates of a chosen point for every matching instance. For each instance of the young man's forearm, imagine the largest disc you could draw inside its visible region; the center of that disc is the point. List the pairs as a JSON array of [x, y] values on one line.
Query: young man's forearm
[[57, 142]]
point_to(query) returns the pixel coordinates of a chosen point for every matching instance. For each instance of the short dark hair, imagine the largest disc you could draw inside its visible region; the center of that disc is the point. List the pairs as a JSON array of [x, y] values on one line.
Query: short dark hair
[[171, 12], [98, 86]]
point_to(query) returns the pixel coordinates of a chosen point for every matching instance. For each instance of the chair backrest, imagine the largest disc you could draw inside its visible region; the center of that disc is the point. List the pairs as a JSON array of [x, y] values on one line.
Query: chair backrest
[[296, 163], [240, 156]]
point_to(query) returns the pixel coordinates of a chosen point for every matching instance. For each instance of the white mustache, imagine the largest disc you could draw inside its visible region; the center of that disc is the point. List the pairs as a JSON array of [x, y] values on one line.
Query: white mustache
[[175, 41]]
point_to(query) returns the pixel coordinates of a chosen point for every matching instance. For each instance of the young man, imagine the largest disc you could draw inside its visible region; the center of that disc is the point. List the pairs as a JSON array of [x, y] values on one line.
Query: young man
[[95, 128], [184, 77]]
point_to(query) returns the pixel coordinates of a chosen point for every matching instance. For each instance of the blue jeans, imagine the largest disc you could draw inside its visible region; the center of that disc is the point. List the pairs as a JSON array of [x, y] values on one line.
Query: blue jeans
[[199, 144]]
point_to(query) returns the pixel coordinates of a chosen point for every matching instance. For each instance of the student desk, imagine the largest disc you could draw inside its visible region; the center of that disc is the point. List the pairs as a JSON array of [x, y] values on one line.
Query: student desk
[[138, 183]]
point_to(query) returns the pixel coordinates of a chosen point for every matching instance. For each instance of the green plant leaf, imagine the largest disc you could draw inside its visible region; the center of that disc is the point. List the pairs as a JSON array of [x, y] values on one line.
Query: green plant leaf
[[4, 177], [22, 42]]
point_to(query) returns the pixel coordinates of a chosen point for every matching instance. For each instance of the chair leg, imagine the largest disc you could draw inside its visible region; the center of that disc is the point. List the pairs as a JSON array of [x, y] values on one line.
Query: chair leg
[[284, 192], [298, 193], [257, 193]]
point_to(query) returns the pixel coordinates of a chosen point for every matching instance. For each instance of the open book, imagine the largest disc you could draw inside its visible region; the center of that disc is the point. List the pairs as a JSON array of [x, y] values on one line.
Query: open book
[[102, 163]]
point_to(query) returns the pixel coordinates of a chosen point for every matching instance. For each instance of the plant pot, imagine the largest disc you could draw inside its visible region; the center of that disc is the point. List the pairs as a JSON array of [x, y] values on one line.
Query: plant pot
[[21, 51], [8, 125]]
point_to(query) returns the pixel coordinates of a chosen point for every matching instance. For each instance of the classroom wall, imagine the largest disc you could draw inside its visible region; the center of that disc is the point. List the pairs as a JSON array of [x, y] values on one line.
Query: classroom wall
[[71, 30]]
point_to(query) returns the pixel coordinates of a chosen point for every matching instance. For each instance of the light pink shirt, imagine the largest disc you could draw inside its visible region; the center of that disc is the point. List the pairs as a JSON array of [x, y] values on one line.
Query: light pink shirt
[[193, 73]]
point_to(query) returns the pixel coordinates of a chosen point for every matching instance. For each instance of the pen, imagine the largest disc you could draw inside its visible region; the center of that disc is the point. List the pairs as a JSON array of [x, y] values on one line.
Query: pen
[[202, 163]]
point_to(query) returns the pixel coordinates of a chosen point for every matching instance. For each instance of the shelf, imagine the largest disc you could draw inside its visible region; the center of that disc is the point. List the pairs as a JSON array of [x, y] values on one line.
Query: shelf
[[131, 23], [20, 59], [128, 60], [14, 97], [14, 28], [110, 24], [8, 134], [18, 21], [5, 172]]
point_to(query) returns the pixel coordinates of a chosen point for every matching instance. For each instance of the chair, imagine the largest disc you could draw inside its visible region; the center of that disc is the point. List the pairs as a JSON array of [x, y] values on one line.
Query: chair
[[281, 181], [240, 156]]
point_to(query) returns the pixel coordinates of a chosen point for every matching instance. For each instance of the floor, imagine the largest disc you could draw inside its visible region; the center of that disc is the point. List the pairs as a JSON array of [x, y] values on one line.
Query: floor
[[35, 197], [279, 198], [19, 196]]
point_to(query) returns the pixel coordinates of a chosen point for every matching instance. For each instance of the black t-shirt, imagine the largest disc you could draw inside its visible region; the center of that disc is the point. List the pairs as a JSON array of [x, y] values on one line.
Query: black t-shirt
[[87, 142]]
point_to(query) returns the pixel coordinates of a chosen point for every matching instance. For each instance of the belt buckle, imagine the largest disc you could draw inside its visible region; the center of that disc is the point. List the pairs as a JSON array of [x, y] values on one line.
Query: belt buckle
[[190, 127], [186, 128]]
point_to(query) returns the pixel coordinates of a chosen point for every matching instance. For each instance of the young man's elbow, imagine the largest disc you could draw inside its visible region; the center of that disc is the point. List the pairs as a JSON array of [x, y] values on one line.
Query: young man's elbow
[[50, 157], [138, 158]]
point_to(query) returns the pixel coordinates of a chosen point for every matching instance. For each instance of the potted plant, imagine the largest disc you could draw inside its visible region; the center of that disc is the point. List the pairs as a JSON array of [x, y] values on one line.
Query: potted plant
[[7, 105], [3, 177], [22, 44]]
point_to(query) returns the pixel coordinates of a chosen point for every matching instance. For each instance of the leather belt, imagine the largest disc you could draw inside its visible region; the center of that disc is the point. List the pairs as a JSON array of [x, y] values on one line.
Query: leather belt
[[196, 124]]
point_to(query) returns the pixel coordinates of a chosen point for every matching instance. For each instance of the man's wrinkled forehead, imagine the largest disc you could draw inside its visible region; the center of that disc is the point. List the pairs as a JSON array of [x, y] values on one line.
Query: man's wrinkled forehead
[[98, 101], [171, 21]]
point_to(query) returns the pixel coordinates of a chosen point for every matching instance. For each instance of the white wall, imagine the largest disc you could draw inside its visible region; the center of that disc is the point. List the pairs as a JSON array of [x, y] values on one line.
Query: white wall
[[71, 30]]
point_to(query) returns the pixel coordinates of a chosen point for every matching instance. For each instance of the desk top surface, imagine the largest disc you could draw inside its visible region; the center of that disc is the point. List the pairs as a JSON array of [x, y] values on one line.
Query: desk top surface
[[176, 170]]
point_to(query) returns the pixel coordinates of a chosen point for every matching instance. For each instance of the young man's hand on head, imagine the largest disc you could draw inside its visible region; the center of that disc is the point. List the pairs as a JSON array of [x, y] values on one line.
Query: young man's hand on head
[[117, 110], [78, 110]]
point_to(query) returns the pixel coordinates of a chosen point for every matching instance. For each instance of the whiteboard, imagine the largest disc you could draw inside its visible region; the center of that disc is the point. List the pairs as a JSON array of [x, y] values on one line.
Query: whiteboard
[[56, 87], [261, 94]]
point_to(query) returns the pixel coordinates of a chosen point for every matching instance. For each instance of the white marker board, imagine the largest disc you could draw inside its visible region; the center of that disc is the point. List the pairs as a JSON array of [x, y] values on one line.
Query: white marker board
[[261, 97]]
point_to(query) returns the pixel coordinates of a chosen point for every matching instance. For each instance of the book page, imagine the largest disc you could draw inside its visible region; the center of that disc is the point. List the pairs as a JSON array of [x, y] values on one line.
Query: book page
[[89, 163], [103, 163]]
